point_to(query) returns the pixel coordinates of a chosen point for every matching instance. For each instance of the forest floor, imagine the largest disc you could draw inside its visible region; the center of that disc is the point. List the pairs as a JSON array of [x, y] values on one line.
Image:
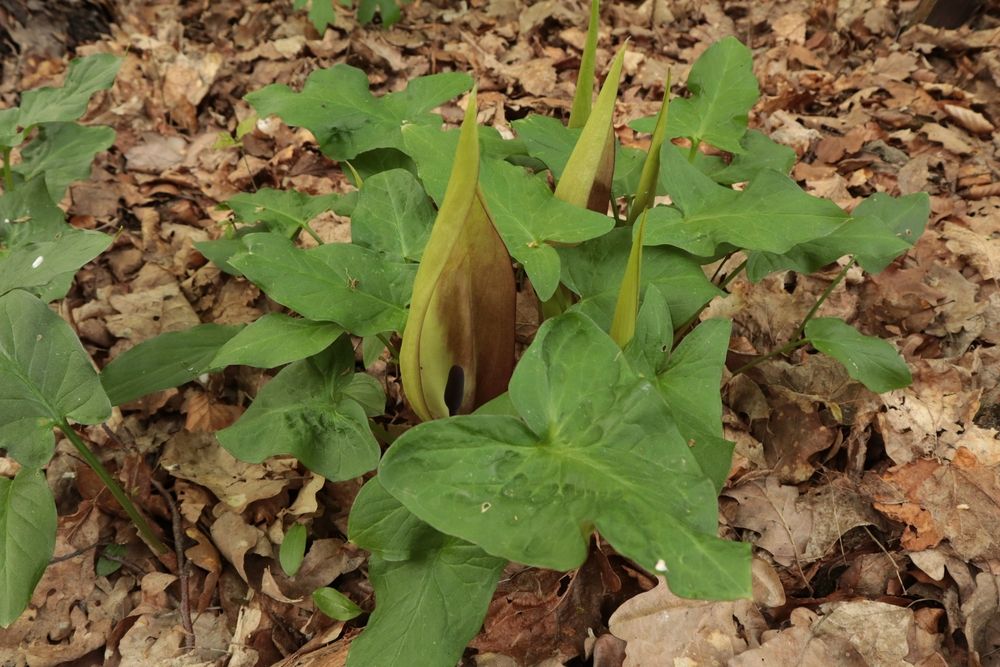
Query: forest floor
[[874, 517]]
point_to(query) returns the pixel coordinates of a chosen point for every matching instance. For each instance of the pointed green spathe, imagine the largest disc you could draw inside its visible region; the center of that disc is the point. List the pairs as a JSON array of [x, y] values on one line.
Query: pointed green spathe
[[627, 306], [583, 98]]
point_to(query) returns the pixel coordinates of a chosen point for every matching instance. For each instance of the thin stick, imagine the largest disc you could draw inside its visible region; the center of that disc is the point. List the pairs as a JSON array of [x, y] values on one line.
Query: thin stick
[[182, 570]]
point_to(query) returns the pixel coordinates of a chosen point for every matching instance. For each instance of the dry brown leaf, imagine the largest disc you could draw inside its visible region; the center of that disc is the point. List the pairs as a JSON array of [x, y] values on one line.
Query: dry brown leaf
[[971, 120], [803, 646]]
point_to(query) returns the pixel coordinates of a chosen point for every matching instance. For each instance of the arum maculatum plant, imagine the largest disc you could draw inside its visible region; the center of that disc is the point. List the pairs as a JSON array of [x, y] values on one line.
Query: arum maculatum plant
[[610, 422]]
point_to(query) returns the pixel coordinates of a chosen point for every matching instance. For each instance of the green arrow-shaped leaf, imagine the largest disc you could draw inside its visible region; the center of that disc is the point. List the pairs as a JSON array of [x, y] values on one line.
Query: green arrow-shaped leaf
[[869, 360], [62, 153], [276, 339], [84, 78], [27, 539]]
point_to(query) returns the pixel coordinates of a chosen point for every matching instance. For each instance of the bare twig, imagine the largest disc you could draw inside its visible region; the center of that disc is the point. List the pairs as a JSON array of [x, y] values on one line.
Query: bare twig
[[182, 570]]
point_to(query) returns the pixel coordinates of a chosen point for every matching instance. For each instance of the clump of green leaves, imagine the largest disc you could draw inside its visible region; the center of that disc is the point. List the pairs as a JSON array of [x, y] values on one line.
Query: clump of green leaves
[[322, 12]]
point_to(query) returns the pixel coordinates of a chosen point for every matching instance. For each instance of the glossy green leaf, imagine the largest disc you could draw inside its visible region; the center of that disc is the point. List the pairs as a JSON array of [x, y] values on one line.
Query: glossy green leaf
[[869, 360], [276, 339], [772, 214], [293, 550], [335, 604], [526, 214], [346, 119], [627, 306], [39, 252], [723, 89], [880, 229], [45, 375], [594, 269], [309, 411], [27, 539], [169, 360], [431, 590], [84, 78], [583, 97], [393, 215], [359, 289], [282, 211], [690, 384], [62, 153], [594, 448]]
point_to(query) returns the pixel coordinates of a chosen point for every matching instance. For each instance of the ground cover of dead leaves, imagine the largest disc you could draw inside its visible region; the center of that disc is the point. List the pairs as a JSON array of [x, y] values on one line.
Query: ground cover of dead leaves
[[875, 518]]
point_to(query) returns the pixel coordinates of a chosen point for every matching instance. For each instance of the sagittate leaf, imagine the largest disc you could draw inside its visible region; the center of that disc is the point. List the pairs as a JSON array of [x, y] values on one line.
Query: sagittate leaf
[[773, 214], [869, 360], [39, 253], [168, 360], [311, 411], [594, 269], [346, 119], [45, 376], [458, 346], [524, 211], [62, 153], [359, 289], [27, 539], [276, 339], [335, 604], [431, 590], [293, 549], [84, 78], [723, 89], [285, 212], [393, 215], [594, 447]]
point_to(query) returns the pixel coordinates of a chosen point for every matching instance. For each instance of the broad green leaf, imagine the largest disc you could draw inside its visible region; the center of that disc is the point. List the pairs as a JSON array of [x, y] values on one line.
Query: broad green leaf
[[393, 215], [62, 153], [359, 289], [869, 360], [526, 214], [586, 180], [880, 229], [282, 211], [169, 360], [596, 449], [649, 349], [33, 227], [307, 411], [773, 214], [431, 590], [594, 269], [45, 375], [321, 13], [388, 11], [759, 152], [346, 119], [690, 385], [84, 78], [584, 95], [627, 306], [9, 136], [276, 339], [458, 346], [723, 89], [293, 549], [27, 539], [335, 604]]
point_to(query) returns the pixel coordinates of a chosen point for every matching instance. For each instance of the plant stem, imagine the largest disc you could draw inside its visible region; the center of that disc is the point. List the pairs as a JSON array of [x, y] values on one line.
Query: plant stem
[[313, 234], [732, 274], [694, 150], [116, 490], [822, 297], [784, 349]]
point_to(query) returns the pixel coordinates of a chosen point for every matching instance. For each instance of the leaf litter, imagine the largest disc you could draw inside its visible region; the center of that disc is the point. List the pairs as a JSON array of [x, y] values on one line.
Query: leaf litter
[[872, 516]]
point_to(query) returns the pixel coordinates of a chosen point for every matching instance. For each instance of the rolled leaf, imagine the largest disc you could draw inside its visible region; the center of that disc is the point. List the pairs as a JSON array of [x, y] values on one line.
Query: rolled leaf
[[646, 192], [584, 96], [458, 344], [627, 306], [586, 180]]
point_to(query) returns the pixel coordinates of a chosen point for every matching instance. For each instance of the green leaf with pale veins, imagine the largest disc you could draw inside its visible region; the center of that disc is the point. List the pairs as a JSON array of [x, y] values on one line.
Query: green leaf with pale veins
[[62, 153], [276, 339], [723, 89], [773, 214], [359, 289], [282, 211], [346, 119], [85, 77], [871, 361], [594, 269], [45, 376], [310, 411], [168, 360], [393, 215], [27, 539], [431, 590], [594, 448]]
